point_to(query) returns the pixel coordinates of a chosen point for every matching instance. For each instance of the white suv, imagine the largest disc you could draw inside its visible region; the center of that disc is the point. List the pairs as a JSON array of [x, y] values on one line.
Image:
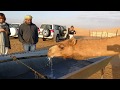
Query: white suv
[[53, 31], [14, 27]]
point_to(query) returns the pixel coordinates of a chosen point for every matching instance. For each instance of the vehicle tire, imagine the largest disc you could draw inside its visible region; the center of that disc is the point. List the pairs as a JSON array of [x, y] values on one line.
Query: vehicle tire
[[46, 32], [44, 39], [57, 38], [15, 37], [68, 37]]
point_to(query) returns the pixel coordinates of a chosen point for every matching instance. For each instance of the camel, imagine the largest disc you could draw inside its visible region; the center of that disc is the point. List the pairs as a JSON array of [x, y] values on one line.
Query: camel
[[82, 49]]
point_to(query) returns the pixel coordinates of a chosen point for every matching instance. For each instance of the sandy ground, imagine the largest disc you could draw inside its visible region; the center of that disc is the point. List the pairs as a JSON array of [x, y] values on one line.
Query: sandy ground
[[112, 70], [86, 32], [16, 46]]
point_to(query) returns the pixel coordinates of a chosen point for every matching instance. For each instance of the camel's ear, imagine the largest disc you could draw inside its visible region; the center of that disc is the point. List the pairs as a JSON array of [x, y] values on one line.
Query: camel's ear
[[61, 46], [72, 41]]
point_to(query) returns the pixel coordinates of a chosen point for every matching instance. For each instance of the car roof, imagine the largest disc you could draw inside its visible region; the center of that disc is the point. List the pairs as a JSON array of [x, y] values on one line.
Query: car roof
[[15, 23], [52, 24]]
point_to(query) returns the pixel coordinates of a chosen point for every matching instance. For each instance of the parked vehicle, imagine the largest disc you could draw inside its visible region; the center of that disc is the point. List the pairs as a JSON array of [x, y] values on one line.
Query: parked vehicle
[[53, 31], [14, 27]]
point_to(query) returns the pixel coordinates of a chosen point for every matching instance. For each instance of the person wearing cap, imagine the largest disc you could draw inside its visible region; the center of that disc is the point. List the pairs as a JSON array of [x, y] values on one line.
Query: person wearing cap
[[28, 34], [4, 35]]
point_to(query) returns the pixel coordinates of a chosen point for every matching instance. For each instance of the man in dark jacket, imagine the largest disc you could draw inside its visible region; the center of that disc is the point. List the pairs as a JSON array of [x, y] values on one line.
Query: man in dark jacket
[[28, 34]]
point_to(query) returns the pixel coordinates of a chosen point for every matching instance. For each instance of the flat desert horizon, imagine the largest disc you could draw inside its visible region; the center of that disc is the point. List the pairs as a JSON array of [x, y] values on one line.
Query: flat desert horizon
[[86, 31]]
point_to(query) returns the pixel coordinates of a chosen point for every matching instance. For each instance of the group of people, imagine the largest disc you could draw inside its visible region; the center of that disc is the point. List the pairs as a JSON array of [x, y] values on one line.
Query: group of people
[[27, 34]]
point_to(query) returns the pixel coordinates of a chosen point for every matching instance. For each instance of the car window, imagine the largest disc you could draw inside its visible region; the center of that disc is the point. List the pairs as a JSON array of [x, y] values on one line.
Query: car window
[[43, 26], [57, 27], [10, 25], [62, 28], [49, 26], [46, 26], [14, 25]]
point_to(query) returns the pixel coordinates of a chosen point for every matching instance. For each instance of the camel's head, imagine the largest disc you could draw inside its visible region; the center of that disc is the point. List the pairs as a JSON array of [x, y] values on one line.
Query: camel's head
[[63, 49]]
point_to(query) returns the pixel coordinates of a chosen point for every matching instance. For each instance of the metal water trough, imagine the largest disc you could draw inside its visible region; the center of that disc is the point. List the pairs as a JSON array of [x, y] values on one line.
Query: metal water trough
[[38, 61]]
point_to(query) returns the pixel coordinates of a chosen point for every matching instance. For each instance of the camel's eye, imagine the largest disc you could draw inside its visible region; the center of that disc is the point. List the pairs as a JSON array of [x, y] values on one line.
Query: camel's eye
[[61, 46]]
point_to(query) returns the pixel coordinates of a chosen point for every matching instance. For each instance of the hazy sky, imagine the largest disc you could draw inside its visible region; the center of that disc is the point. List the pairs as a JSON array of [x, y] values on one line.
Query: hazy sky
[[84, 19]]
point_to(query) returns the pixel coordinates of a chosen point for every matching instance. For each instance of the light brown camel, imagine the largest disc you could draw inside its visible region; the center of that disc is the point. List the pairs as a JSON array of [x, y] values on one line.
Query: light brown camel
[[81, 49]]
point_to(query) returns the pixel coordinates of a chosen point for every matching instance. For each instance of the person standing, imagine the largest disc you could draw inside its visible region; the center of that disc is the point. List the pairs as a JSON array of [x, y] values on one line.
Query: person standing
[[28, 34], [4, 35], [71, 32]]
